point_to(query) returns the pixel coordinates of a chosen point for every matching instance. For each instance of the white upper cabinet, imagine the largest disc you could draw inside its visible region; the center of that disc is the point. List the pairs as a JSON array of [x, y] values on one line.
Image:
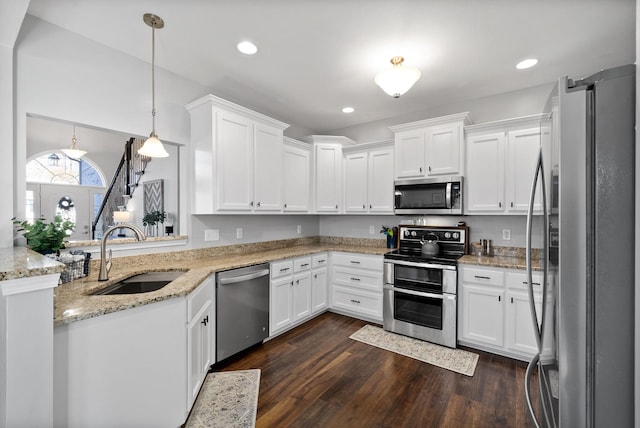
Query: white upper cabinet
[[430, 147], [296, 178], [501, 159], [368, 178], [327, 171], [234, 153]]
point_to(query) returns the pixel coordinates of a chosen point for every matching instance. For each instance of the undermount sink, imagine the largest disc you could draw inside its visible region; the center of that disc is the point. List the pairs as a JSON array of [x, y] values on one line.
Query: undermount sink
[[142, 283]]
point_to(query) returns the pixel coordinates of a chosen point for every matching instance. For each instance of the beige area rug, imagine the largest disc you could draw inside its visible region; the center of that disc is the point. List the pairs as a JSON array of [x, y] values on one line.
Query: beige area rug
[[227, 399], [456, 360]]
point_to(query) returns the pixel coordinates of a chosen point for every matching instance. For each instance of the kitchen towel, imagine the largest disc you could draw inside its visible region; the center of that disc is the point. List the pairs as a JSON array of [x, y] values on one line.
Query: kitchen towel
[[456, 360]]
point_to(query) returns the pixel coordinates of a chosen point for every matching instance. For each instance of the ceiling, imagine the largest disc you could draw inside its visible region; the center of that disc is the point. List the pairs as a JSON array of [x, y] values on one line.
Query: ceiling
[[316, 57]]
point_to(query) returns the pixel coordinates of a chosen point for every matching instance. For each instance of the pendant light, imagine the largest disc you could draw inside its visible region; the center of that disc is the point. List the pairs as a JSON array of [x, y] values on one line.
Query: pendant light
[[398, 79], [153, 147], [74, 152]]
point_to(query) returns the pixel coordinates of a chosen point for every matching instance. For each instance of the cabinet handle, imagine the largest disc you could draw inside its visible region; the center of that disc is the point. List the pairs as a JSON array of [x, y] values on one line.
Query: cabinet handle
[[370, 206], [355, 301], [429, 168], [251, 203], [285, 205], [364, 206], [499, 204], [354, 279], [284, 269], [512, 300], [481, 277], [258, 204], [336, 206], [205, 321], [315, 276], [533, 283], [304, 264], [355, 262], [499, 298], [292, 283], [511, 204], [297, 281], [321, 261], [420, 169]]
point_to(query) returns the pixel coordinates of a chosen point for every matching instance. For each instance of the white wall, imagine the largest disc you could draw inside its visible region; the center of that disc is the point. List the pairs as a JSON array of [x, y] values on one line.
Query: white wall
[[480, 227], [519, 103]]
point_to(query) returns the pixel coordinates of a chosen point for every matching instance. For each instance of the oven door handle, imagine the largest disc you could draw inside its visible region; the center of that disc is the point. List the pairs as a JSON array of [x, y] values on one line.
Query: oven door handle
[[417, 293], [420, 264]]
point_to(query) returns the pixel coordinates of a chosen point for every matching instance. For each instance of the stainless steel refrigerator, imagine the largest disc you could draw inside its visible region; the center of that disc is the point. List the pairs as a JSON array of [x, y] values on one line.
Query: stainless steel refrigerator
[[591, 227]]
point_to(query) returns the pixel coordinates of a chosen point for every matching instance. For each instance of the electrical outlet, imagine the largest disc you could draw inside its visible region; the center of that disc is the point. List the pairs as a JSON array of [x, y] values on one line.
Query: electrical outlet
[[372, 229], [212, 234], [299, 229], [239, 233], [506, 234]]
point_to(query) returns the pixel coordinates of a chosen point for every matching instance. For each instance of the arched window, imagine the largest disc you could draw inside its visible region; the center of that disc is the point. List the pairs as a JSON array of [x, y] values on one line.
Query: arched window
[[55, 167]]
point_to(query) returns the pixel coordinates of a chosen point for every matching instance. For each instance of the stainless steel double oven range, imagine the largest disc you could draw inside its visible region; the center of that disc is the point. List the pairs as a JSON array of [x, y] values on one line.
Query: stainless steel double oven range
[[420, 292]]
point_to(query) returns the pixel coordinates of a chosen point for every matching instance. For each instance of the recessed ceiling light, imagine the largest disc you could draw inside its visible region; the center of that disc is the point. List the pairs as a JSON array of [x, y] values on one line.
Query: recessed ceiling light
[[247, 48], [527, 63], [348, 110]]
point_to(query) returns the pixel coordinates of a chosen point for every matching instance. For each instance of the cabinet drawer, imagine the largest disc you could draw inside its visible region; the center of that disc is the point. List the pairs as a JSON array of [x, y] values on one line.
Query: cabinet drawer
[[358, 261], [358, 301], [482, 276], [282, 268], [302, 263], [364, 280], [519, 280], [199, 298], [319, 260]]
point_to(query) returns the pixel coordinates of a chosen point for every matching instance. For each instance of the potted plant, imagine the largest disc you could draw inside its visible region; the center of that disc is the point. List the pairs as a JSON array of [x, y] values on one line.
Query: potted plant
[[44, 237], [151, 219]]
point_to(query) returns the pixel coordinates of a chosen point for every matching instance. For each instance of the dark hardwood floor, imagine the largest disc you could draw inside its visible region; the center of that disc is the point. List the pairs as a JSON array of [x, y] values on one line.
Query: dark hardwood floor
[[315, 376]]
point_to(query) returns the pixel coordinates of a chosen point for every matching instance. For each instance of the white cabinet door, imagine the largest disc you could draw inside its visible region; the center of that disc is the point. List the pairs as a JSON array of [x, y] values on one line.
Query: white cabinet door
[[328, 178], [268, 164], [301, 295], [199, 336], [281, 301], [296, 175], [235, 162], [484, 181], [409, 154], [380, 189], [319, 289], [355, 182], [443, 150], [483, 314], [520, 335], [522, 148]]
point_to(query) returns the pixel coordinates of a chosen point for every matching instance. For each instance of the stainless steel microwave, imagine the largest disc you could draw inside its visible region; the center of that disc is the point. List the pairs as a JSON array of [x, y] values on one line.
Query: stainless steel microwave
[[428, 196]]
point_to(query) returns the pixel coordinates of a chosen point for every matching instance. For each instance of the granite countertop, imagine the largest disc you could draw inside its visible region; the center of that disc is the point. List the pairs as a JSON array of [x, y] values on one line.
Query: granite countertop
[[509, 262], [21, 262], [74, 302]]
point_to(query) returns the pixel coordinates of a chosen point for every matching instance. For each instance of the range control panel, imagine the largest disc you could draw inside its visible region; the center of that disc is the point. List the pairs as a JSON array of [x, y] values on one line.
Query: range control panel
[[416, 233]]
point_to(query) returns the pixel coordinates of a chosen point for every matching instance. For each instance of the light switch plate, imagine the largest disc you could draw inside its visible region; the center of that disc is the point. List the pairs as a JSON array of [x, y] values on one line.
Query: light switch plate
[[299, 229], [239, 233], [372, 229], [212, 234]]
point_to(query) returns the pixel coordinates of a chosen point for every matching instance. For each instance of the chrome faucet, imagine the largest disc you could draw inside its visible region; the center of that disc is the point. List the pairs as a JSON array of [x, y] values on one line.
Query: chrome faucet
[[105, 262]]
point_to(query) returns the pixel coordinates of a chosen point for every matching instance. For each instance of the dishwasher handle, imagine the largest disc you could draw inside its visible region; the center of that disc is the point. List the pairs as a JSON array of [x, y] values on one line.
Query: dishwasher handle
[[246, 277]]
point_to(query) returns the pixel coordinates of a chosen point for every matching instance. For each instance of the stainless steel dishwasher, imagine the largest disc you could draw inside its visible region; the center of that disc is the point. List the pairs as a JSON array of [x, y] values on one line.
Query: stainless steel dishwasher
[[242, 309]]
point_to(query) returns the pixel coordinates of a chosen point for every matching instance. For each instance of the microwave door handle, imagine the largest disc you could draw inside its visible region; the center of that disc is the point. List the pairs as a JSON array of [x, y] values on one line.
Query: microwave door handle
[[448, 196]]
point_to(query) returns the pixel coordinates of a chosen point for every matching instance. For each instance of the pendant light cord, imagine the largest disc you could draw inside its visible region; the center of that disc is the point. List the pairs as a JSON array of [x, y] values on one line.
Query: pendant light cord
[[153, 80]]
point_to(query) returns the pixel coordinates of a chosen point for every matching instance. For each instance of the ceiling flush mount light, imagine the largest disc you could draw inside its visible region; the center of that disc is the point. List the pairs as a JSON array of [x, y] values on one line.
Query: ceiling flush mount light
[[398, 79], [348, 110], [74, 152], [247, 48], [153, 147], [527, 63]]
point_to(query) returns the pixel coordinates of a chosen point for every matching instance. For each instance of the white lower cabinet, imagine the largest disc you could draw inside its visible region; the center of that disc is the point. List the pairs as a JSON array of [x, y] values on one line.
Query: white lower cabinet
[[291, 294], [494, 312], [319, 283], [356, 285], [200, 337]]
